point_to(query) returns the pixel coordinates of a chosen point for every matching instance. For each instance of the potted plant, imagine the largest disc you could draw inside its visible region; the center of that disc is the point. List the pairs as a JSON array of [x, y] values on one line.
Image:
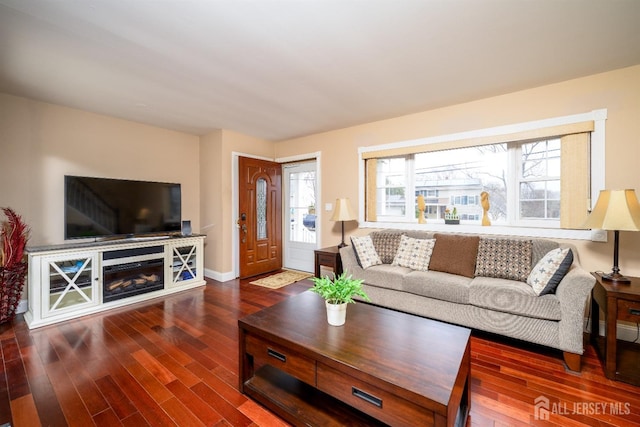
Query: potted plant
[[451, 217], [14, 235], [337, 293]]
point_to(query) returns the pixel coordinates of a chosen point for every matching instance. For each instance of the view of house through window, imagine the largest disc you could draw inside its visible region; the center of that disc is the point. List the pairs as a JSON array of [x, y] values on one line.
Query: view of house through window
[[522, 179]]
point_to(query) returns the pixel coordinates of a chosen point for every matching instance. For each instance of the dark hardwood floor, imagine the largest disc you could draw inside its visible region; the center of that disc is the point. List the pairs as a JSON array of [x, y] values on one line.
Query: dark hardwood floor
[[174, 361]]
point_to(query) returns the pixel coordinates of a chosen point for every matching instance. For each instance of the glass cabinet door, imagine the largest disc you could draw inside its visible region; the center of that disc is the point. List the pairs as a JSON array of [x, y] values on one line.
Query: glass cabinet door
[[184, 262], [70, 282]]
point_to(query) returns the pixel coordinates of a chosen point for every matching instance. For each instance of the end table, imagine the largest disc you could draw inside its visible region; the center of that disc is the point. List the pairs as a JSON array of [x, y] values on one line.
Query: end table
[[621, 359], [328, 257]]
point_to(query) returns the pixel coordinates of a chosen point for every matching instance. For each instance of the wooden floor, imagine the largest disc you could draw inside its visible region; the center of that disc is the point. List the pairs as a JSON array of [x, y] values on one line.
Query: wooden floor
[[174, 361]]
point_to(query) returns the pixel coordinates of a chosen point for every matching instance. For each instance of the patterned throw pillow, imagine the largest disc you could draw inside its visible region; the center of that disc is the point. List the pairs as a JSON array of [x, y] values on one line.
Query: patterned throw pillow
[[386, 244], [414, 253], [504, 258], [549, 271], [365, 251]]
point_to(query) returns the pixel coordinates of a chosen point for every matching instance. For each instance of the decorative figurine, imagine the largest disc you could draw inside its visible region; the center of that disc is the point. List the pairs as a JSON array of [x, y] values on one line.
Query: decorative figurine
[[484, 200], [421, 209]]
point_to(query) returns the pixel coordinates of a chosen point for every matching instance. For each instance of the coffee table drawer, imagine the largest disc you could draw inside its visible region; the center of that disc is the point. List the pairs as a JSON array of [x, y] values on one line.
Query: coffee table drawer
[[267, 353], [372, 400]]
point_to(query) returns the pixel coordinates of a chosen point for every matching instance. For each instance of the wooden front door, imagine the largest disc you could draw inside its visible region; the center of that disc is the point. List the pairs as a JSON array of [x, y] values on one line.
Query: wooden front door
[[260, 216]]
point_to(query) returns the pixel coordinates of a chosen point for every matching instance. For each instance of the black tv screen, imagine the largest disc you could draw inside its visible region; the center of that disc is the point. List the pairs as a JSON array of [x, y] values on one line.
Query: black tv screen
[[97, 207]]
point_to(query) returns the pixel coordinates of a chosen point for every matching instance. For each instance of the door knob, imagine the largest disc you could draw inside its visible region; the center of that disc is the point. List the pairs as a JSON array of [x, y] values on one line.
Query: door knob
[[243, 217]]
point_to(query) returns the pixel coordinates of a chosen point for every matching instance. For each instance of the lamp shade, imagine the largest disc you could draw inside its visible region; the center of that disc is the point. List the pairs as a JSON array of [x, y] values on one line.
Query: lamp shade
[[343, 211], [615, 210]]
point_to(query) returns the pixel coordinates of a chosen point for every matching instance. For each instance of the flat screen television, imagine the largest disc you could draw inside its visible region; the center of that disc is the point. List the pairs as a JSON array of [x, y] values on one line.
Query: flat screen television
[[106, 207]]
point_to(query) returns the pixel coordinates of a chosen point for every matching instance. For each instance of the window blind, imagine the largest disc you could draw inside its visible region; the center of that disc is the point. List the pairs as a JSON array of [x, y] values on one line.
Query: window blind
[[523, 136]]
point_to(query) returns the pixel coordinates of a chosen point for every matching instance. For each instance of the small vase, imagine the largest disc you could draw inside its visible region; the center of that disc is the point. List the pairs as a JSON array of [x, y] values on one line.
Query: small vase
[[336, 313]]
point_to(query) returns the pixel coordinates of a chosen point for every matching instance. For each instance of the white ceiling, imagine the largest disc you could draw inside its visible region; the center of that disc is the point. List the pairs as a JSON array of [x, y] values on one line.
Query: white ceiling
[[278, 69]]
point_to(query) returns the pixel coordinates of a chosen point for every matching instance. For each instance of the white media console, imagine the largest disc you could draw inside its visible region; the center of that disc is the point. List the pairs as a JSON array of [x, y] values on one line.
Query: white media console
[[72, 280]]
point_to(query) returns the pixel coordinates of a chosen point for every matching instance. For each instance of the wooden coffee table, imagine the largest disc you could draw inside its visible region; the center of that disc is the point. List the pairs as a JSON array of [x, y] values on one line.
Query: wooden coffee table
[[382, 366]]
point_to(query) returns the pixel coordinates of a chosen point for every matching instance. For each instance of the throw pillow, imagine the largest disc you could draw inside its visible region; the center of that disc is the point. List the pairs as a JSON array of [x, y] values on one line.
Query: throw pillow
[[504, 258], [455, 254], [365, 251], [414, 253], [549, 271], [386, 244]]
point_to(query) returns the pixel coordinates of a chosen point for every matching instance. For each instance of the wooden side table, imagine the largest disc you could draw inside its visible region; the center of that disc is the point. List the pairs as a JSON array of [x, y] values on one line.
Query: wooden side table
[[328, 257], [621, 359]]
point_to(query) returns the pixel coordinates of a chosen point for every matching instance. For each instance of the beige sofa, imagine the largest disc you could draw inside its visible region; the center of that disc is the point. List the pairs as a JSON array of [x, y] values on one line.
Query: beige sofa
[[485, 290]]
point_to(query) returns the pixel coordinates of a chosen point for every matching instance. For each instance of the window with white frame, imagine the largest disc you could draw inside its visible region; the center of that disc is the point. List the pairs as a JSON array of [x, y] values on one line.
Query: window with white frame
[[539, 181], [536, 178], [391, 188], [455, 178]]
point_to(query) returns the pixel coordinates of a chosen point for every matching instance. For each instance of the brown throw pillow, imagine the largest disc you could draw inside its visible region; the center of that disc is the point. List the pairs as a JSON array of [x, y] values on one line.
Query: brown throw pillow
[[455, 254]]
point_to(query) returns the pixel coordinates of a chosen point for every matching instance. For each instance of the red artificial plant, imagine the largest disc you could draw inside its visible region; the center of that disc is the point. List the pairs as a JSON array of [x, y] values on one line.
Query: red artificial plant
[[13, 239], [14, 235]]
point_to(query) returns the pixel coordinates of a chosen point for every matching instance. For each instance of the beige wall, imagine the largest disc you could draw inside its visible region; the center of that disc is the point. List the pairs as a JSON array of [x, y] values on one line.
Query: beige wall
[[40, 143], [617, 91]]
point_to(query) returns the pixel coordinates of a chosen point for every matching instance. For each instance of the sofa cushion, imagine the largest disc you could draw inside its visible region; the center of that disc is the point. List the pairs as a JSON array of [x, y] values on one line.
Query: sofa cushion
[[414, 253], [438, 285], [514, 297], [455, 254], [384, 276], [365, 251], [549, 271], [386, 243], [504, 258]]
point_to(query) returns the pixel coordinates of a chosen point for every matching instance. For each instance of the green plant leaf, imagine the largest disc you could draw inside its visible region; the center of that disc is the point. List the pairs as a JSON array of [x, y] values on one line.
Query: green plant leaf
[[339, 290]]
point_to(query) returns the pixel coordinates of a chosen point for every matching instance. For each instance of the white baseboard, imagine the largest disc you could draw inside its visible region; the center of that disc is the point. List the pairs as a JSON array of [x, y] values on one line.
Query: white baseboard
[[625, 332], [220, 277]]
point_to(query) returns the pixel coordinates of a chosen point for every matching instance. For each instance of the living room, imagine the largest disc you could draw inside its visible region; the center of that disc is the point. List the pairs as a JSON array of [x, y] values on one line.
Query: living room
[[43, 141], [57, 141]]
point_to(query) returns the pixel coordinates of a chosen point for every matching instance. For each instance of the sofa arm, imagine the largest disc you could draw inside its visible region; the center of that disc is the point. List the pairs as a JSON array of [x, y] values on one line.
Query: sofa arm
[[350, 262], [573, 292]]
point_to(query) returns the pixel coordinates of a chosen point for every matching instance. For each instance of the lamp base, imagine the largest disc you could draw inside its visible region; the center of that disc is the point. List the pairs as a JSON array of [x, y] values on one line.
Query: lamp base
[[616, 278], [342, 245]]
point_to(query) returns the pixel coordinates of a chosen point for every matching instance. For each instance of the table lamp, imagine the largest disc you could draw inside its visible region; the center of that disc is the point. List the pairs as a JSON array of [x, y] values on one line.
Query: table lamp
[[343, 212], [616, 210]]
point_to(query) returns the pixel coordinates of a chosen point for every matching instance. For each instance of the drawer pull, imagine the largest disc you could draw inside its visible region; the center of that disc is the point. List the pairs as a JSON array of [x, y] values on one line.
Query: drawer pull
[[634, 311], [366, 397], [281, 357]]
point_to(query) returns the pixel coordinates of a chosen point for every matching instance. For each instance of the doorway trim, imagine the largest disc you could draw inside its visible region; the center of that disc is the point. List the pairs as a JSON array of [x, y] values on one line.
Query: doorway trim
[[315, 156], [298, 253]]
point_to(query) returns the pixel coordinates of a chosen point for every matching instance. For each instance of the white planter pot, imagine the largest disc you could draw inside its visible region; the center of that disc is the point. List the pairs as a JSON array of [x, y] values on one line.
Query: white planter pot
[[336, 313]]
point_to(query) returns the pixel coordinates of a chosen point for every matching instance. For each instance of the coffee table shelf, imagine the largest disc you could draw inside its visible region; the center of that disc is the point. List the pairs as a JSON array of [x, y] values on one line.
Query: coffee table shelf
[[300, 403]]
